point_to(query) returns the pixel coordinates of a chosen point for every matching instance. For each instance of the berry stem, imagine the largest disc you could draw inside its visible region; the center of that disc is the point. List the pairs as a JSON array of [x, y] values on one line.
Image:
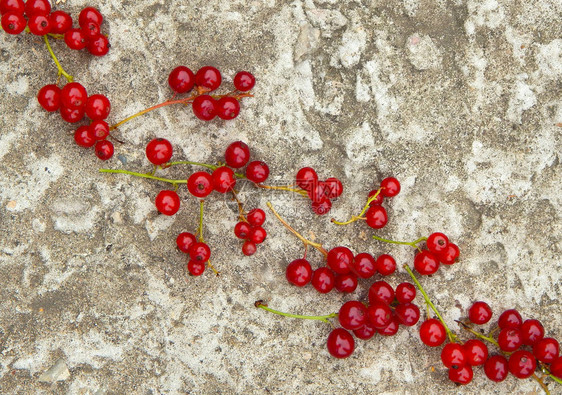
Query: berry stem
[[360, 216], [241, 215], [451, 335], [301, 192], [408, 243], [144, 175], [299, 236], [479, 335], [200, 233], [541, 383], [324, 318], [208, 166], [68, 77]]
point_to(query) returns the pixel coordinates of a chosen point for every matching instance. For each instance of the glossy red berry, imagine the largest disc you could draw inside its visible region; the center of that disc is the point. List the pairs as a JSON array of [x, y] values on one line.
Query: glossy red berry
[[334, 188], [352, 315], [306, 178], [98, 45], [244, 81], [97, 107], [71, 115], [181, 79], [346, 283], [61, 22], [208, 78], [437, 242], [227, 108], [91, 30], [237, 154], [159, 151], [391, 329], [13, 23], [378, 200], [104, 149], [299, 272], [100, 130], [84, 137], [479, 313], [450, 255], [366, 331], [257, 171], [257, 234], [379, 314], [75, 39], [318, 191], [510, 339], [167, 202], [340, 260], [37, 7], [405, 292], [407, 313], [426, 263], [377, 217], [546, 350], [496, 368], [200, 252], [39, 24], [322, 206], [364, 265], [49, 97], [196, 268], [89, 14], [461, 376], [73, 95], [510, 319], [432, 332], [185, 240], [522, 364], [223, 179], [381, 291], [323, 280], [476, 352], [390, 187], [556, 367], [386, 265], [256, 217], [532, 332], [249, 248], [453, 356], [340, 343], [200, 184], [242, 230], [13, 6]]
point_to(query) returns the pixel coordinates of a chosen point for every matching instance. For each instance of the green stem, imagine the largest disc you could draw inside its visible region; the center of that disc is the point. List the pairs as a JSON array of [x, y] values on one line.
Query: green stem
[[144, 175], [409, 243], [68, 77], [479, 335], [323, 318], [360, 216], [208, 166], [200, 229], [451, 335]]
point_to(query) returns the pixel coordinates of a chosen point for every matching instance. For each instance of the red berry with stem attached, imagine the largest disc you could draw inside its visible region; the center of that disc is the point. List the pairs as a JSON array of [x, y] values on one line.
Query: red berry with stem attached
[[185, 240], [453, 356], [376, 217], [450, 255], [364, 265], [391, 329], [159, 151], [437, 242], [257, 171], [73, 95], [49, 97], [84, 137], [322, 207], [71, 115], [249, 248], [13, 6], [334, 188], [340, 343], [532, 332], [346, 283], [244, 81], [323, 280], [237, 154], [227, 108], [366, 331], [97, 107], [461, 376], [100, 130], [405, 292], [39, 25], [522, 364], [390, 187], [510, 339], [352, 315], [200, 252], [479, 313], [75, 39], [426, 263], [386, 265], [510, 319], [256, 217], [181, 79], [61, 22], [496, 368], [476, 352], [196, 268], [379, 314], [167, 202], [556, 367], [432, 332], [223, 179], [208, 78], [242, 230], [98, 45], [200, 184], [407, 313], [13, 23], [340, 260], [257, 234], [318, 191], [299, 272], [89, 14], [37, 7], [381, 291], [306, 178], [378, 200], [546, 350]]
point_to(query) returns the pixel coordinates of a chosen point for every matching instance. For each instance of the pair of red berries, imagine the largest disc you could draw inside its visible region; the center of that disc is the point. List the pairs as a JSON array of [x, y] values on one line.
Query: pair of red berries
[[439, 250], [199, 252], [376, 215], [321, 193], [251, 231]]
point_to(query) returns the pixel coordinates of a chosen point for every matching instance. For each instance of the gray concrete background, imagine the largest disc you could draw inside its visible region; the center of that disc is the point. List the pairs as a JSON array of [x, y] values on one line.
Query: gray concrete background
[[458, 99]]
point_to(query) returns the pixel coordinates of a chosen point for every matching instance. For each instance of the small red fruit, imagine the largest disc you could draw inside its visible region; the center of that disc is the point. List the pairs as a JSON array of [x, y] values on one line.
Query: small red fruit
[[244, 81], [49, 97], [200, 184], [181, 79], [208, 78], [432, 332], [185, 240], [340, 343], [257, 171], [299, 272], [390, 187], [159, 151], [237, 154], [104, 149], [479, 313], [167, 202]]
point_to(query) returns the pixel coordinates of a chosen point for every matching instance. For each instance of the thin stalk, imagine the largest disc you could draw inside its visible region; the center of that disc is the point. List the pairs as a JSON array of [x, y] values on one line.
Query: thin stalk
[[200, 233], [479, 335], [360, 216], [324, 318], [408, 243], [144, 175], [68, 77], [301, 192]]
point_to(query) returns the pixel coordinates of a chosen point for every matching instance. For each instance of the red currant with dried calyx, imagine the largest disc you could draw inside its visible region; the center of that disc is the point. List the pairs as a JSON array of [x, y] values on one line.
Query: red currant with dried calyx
[[13, 23], [181, 79], [159, 151], [299, 272], [432, 332], [496, 368], [244, 81], [39, 25], [185, 240], [522, 364], [390, 187], [323, 280], [73, 95], [196, 268], [450, 255], [340, 343], [75, 39], [200, 184], [237, 154], [257, 171], [405, 292], [200, 252], [510, 339], [100, 130], [462, 376], [227, 108], [437, 242], [98, 45], [453, 356], [241, 230], [104, 149], [479, 313], [208, 78], [91, 30], [223, 179], [167, 202], [49, 97], [352, 315]]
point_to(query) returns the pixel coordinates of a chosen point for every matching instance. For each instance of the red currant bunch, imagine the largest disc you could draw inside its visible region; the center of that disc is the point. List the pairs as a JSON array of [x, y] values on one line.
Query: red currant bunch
[[251, 231], [199, 252], [439, 250], [321, 193]]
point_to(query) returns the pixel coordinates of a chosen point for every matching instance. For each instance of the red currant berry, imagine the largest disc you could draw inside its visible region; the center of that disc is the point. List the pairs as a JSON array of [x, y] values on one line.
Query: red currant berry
[[185, 240], [366, 331], [510, 339], [37, 7], [496, 368], [196, 268], [200, 252], [378, 200], [159, 151], [237, 154], [91, 30], [49, 97], [381, 291], [364, 265], [323, 280], [426, 263], [249, 248], [407, 313], [104, 149], [476, 352], [100, 130], [257, 171], [13, 6], [60, 21], [257, 234], [546, 350], [181, 79], [318, 191], [13, 23], [306, 178], [256, 217], [432, 332], [322, 207], [39, 24], [461, 376], [450, 255], [89, 14], [556, 367], [386, 265], [334, 188], [299, 272], [208, 78], [97, 107], [437, 242], [73, 95], [390, 187], [405, 292], [244, 81], [242, 230], [379, 314], [75, 39], [340, 343], [167, 202], [346, 283], [522, 364], [228, 108], [510, 319], [98, 45], [84, 137], [352, 315], [532, 332], [200, 184], [376, 217], [479, 313], [223, 179], [71, 115], [391, 329], [340, 260], [453, 356]]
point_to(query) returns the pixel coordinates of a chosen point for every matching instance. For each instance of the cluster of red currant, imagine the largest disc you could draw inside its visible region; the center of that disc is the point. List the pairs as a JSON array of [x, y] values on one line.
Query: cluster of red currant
[[198, 251], [439, 250], [320, 193], [376, 215], [251, 231]]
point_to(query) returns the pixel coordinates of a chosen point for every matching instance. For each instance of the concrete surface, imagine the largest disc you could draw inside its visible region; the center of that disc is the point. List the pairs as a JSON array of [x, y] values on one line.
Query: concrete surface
[[458, 99]]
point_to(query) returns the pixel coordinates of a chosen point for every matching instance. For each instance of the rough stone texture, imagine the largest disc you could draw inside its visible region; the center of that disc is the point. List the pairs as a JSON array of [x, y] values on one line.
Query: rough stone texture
[[470, 122]]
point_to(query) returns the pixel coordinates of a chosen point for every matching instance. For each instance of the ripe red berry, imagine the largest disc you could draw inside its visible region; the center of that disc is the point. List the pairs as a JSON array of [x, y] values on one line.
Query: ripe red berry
[[237, 154], [386, 265], [200, 184], [159, 151], [241, 230], [84, 137], [479, 313], [71, 115], [364, 265], [432, 332], [407, 313], [49, 97], [257, 234], [37, 7], [306, 178], [249, 248], [366, 331], [100, 130], [496, 368], [223, 179], [381, 291], [13, 6], [73, 95], [181, 79], [352, 315], [378, 200], [340, 343], [475, 351], [299, 272], [453, 356], [97, 107], [244, 81], [227, 108], [390, 187], [532, 332], [89, 14], [185, 240], [208, 78], [257, 171], [13, 23], [510, 339], [60, 21], [104, 149], [196, 268], [323, 280], [200, 252], [546, 350], [437, 242], [556, 367], [405, 292], [91, 30], [510, 319], [461, 376], [322, 206], [379, 314], [75, 39], [334, 188], [167, 202], [39, 24], [376, 217], [391, 329], [522, 364], [346, 283], [98, 45], [450, 255], [426, 263], [340, 260], [256, 217]]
